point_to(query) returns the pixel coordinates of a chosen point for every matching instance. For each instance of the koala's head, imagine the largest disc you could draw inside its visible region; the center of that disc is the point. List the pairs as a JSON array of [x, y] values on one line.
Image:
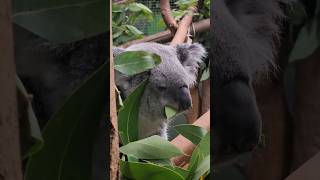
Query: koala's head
[[169, 82]]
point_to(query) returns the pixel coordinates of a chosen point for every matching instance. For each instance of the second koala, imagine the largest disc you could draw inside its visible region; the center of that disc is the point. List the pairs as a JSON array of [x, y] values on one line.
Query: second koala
[[168, 83]]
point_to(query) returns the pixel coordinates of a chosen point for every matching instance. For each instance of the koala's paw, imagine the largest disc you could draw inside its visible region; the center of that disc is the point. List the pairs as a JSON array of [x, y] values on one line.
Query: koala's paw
[[237, 119]]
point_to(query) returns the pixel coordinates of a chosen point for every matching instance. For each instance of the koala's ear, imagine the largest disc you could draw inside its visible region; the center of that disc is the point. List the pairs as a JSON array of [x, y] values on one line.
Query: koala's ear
[[117, 50], [190, 56], [127, 83]]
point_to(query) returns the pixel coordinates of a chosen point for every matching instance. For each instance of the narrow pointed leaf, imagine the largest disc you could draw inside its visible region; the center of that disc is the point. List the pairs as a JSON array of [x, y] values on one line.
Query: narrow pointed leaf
[[194, 133], [31, 137], [202, 169], [170, 112], [128, 115], [138, 170], [200, 152], [69, 135], [62, 21], [134, 62], [153, 147]]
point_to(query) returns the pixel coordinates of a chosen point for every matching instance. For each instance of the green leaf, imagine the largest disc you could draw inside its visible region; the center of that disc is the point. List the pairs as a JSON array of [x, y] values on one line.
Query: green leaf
[[31, 137], [138, 170], [200, 152], [184, 173], [128, 116], [202, 169], [168, 164], [162, 162], [307, 42], [135, 7], [194, 133], [154, 147], [69, 135], [35, 5], [192, 168], [132, 158], [205, 74], [170, 112], [117, 33], [134, 62], [63, 21], [134, 30]]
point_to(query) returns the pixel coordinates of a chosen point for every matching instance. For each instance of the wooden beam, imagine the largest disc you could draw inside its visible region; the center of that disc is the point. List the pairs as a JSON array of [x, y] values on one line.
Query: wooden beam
[[308, 171]]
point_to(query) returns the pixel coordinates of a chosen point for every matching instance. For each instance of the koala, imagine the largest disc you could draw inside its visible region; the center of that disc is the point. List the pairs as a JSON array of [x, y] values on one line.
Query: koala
[[243, 45], [169, 83], [51, 73]]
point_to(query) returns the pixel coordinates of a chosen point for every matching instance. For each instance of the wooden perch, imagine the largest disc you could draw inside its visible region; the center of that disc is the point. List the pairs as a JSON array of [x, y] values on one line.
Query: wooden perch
[[113, 120], [166, 36]]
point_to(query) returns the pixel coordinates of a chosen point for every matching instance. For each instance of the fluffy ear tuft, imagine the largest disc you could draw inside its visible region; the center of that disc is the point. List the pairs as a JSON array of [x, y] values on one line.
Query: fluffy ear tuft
[[190, 56]]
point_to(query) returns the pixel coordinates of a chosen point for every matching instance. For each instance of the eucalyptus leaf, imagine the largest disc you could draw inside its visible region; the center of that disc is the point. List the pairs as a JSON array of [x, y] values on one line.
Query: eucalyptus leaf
[[154, 147], [202, 169], [31, 137], [200, 152], [192, 168], [70, 134], [63, 21], [205, 74], [132, 158], [162, 162], [134, 62], [139, 7], [128, 115], [307, 42], [36, 5], [193, 133], [134, 30], [139, 170], [184, 173], [170, 112], [135, 7]]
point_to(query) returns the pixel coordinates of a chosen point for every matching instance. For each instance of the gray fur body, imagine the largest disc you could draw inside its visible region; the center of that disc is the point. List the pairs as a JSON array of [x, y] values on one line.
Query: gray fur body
[[168, 85], [244, 39]]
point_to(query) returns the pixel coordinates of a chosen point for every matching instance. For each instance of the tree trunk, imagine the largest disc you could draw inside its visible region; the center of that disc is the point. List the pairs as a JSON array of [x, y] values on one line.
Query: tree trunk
[[10, 162]]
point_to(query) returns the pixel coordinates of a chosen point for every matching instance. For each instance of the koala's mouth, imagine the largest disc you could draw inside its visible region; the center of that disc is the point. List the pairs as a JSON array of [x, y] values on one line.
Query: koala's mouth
[[170, 111]]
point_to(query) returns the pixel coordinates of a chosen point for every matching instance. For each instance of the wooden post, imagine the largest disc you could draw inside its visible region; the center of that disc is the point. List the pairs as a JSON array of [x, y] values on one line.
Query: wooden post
[[10, 160], [114, 138]]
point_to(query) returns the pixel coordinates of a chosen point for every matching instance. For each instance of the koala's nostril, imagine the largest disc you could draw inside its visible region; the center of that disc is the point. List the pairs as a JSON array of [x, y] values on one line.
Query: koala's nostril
[[184, 86], [185, 105]]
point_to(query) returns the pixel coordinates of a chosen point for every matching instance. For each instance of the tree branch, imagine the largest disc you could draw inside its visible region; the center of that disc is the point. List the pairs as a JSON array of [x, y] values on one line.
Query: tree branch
[[182, 30], [187, 146], [166, 36], [167, 16]]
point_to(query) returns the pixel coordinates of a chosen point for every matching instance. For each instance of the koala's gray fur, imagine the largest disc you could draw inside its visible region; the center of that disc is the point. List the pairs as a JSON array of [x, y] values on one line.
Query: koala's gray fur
[[168, 81]]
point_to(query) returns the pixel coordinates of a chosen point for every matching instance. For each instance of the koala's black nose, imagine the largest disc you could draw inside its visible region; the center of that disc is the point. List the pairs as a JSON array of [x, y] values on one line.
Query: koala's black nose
[[184, 98]]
